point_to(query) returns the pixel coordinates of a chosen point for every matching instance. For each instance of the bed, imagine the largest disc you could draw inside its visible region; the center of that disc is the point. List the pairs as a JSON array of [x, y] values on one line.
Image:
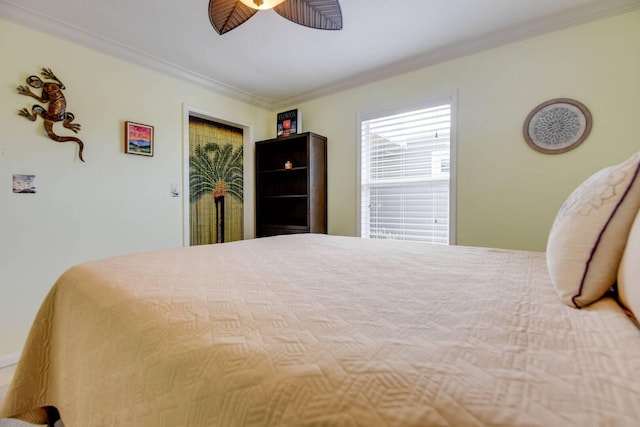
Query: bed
[[318, 330]]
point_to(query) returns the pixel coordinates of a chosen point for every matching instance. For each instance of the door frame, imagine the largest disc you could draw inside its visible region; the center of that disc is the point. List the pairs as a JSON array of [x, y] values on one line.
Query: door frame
[[248, 191]]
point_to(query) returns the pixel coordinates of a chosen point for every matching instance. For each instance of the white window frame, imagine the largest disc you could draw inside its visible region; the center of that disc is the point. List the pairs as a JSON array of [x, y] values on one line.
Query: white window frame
[[451, 99]]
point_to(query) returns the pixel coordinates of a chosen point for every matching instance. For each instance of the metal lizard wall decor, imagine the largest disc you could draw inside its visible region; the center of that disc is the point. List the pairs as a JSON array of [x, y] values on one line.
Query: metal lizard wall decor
[[57, 111]]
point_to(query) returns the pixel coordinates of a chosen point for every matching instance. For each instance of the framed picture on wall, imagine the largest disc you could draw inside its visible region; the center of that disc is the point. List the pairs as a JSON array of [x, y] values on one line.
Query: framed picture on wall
[[138, 139], [557, 126], [24, 184]]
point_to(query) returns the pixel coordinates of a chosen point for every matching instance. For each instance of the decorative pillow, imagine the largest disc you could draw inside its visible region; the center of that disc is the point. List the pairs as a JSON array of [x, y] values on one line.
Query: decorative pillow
[[590, 231], [629, 271]]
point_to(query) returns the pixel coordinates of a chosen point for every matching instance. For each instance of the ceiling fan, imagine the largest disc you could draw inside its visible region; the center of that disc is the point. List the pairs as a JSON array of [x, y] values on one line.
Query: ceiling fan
[[225, 15]]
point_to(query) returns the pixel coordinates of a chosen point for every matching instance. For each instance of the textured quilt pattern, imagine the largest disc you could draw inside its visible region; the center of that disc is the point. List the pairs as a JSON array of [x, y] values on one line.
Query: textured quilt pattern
[[315, 330]]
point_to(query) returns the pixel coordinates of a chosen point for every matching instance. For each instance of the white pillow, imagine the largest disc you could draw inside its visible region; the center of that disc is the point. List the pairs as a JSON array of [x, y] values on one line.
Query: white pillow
[[629, 271], [590, 231]]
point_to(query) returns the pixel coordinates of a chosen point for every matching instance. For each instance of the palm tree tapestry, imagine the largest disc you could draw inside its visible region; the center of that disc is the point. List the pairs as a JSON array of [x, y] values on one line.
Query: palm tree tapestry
[[215, 182]]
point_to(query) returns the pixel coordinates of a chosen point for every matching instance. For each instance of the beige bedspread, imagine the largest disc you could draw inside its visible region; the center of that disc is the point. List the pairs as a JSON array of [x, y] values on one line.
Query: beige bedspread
[[315, 330]]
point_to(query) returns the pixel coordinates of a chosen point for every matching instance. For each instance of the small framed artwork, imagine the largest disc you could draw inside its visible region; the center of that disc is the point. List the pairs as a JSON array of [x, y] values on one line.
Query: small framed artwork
[[138, 139], [24, 184], [557, 126]]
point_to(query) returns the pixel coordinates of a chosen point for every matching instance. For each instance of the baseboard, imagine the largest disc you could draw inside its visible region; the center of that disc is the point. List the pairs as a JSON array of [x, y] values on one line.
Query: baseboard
[[9, 359]]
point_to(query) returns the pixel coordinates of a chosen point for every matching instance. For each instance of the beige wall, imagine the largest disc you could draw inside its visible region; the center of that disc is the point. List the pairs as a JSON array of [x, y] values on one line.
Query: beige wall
[[508, 194], [114, 203]]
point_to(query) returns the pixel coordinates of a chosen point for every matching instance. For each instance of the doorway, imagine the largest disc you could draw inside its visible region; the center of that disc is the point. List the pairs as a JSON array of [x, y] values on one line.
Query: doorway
[[215, 180]]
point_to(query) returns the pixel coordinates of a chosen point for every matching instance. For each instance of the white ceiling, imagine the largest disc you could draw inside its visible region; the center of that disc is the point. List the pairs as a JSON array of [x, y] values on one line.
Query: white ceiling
[[272, 62]]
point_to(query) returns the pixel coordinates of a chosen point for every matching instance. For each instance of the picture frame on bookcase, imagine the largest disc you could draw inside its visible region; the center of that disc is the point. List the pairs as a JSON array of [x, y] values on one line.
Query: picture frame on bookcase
[[289, 123]]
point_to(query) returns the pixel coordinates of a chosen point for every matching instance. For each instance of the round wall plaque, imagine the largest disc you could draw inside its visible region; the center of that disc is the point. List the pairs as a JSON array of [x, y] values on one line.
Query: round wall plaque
[[557, 126]]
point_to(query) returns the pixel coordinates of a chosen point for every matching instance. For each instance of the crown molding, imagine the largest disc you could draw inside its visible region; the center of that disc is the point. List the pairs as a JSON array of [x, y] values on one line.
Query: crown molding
[[577, 16], [39, 22], [547, 24]]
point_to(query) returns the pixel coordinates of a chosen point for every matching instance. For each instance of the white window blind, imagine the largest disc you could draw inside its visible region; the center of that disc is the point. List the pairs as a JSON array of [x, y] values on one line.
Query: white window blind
[[405, 165]]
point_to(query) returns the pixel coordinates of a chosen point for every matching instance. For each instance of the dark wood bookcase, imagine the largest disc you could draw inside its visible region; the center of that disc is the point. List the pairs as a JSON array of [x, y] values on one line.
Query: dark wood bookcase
[[291, 185]]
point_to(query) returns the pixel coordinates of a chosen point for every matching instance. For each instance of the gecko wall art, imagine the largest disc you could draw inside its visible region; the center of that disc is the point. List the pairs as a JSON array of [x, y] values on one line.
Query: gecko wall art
[[57, 110]]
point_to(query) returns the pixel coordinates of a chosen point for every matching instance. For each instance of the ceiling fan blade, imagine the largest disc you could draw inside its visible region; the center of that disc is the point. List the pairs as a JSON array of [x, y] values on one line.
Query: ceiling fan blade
[[320, 14], [225, 15]]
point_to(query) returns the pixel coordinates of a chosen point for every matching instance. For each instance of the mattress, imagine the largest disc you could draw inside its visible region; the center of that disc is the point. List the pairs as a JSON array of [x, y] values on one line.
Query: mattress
[[317, 330]]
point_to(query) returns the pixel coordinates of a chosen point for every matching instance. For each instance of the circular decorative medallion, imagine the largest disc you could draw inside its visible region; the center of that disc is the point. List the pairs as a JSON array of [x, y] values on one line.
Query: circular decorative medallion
[[557, 126]]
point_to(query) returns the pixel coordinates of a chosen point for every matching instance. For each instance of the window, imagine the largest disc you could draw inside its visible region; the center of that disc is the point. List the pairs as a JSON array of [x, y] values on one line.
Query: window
[[405, 174]]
